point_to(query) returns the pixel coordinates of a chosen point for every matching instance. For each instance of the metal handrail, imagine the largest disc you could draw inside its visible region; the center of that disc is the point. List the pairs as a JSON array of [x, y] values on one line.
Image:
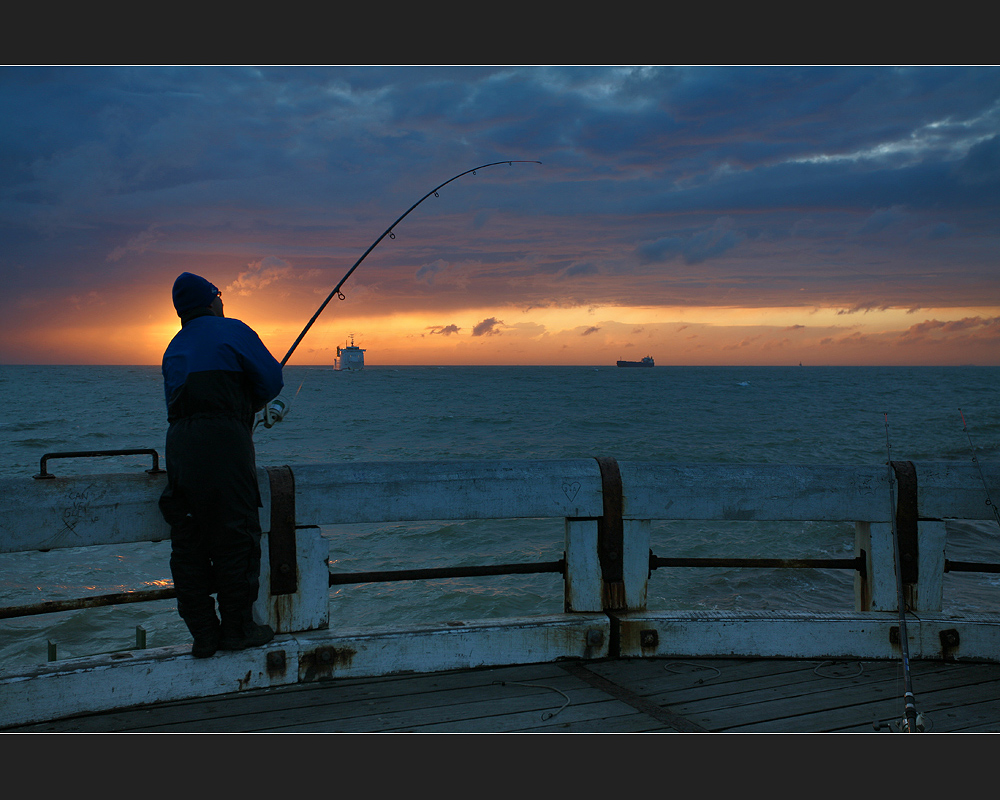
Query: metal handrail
[[348, 578], [336, 579], [118, 598], [970, 566], [857, 564], [44, 474], [342, 578]]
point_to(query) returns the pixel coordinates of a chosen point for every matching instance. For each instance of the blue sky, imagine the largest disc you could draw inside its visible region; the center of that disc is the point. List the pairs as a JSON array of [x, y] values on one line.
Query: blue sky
[[712, 215]]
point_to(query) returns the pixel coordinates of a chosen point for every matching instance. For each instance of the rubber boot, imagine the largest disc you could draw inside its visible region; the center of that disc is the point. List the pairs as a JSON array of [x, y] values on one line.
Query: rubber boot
[[203, 624], [239, 631], [206, 642]]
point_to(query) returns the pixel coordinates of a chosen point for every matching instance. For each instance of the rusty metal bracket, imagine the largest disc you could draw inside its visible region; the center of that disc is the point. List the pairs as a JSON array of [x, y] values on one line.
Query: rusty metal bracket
[[950, 641], [281, 542], [611, 535], [906, 519]]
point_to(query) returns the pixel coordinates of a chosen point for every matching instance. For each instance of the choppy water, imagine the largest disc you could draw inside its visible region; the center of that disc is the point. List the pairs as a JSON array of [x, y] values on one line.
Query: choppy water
[[790, 415]]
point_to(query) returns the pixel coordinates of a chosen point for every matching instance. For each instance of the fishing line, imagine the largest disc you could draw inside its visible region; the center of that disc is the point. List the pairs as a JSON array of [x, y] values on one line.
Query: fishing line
[[276, 410], [388, 232], [547, 714], [909, 721], [982, 477]]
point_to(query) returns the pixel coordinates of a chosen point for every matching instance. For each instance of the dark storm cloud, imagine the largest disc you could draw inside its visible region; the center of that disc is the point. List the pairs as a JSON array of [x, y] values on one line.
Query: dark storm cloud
[[865, 308], [942, 230], [693, 247], [488, 327], [763, 180], [428, 272], [579, 269]]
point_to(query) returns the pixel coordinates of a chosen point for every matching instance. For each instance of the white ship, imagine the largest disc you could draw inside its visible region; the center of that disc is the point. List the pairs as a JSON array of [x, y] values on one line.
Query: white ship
[[350, 357]]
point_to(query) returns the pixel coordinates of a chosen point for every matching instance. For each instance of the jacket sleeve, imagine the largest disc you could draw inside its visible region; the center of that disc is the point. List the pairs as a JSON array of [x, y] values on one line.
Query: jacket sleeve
[[262, 369]]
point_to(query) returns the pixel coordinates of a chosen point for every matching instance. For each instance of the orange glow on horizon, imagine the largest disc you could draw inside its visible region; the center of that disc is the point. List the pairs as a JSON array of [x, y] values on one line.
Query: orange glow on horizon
[[558, 336]]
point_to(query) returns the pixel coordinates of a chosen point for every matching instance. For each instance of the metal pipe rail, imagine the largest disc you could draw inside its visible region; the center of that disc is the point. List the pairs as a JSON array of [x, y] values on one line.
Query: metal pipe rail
[[96, 601], [353, 578], [856, 564], [336, 579], [970, 566], [431, 573]]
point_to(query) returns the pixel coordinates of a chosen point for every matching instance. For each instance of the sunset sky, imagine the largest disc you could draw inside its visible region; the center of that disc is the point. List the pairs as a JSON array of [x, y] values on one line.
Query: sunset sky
[[724, 215]]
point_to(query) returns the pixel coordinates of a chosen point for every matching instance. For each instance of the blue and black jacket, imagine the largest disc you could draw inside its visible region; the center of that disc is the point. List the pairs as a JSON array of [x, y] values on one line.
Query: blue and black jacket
[[217, 366]]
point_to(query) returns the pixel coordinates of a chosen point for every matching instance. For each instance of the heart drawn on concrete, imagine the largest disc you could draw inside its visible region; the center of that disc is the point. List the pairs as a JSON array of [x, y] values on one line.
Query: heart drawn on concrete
[[571, 489]]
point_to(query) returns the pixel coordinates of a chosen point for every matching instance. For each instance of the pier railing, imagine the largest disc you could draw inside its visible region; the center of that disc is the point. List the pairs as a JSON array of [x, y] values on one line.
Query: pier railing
[[607, 508]]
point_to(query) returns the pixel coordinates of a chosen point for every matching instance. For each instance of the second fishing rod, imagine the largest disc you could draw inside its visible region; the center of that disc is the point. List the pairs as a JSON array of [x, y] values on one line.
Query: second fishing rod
[[911, 722]]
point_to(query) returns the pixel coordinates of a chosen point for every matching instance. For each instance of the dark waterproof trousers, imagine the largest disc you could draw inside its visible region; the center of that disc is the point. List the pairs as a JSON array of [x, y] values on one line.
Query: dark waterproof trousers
[[211, 503]]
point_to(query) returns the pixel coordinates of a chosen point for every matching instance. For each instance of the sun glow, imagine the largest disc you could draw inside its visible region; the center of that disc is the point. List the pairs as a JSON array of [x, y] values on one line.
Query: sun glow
[[590, 335]]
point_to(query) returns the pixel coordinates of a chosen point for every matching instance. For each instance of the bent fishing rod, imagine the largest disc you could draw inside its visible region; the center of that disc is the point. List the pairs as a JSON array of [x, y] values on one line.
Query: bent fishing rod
[[388, 232], [982, 477], [275, 410], [909, 721]]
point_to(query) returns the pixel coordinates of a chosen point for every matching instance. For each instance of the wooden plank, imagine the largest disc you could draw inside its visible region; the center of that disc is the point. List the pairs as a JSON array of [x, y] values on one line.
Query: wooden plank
[[635, 722], [81, 510], [434, 648], [132, 678], [744, 696], [982, 718], [801, 689], [658, 712], [657, 675], [454, 708], [497, 706], [742, 689], [954, 489], [583, 583], [607, 716], [326, 494], [754, 492], [92, 684], [949, 708], [515, 713], [297, 696], [810, 706], [793, 634], [718, 707]]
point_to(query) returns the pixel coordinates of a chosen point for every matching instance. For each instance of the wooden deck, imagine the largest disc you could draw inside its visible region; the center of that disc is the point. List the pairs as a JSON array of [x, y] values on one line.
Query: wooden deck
[[619, 696]]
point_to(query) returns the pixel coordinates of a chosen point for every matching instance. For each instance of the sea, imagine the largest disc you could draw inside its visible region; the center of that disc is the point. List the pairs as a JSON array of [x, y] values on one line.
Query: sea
[[802, 415]]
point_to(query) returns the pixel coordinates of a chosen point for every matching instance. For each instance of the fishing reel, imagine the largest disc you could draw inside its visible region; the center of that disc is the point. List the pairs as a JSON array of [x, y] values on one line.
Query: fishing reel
[[902, 725], [274, 412]]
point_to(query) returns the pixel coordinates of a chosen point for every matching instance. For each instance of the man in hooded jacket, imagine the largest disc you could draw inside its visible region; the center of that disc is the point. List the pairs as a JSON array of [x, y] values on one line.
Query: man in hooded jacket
[[217, 374]]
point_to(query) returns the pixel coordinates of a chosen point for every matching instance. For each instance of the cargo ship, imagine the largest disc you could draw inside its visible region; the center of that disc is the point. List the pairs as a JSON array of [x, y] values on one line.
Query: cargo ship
[[350, 357], [646, 362]]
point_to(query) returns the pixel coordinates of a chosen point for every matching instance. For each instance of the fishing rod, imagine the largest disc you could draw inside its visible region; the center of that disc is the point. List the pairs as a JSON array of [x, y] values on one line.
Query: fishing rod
[[388, 232], [909, 721], [982, 477], [276, 409]]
